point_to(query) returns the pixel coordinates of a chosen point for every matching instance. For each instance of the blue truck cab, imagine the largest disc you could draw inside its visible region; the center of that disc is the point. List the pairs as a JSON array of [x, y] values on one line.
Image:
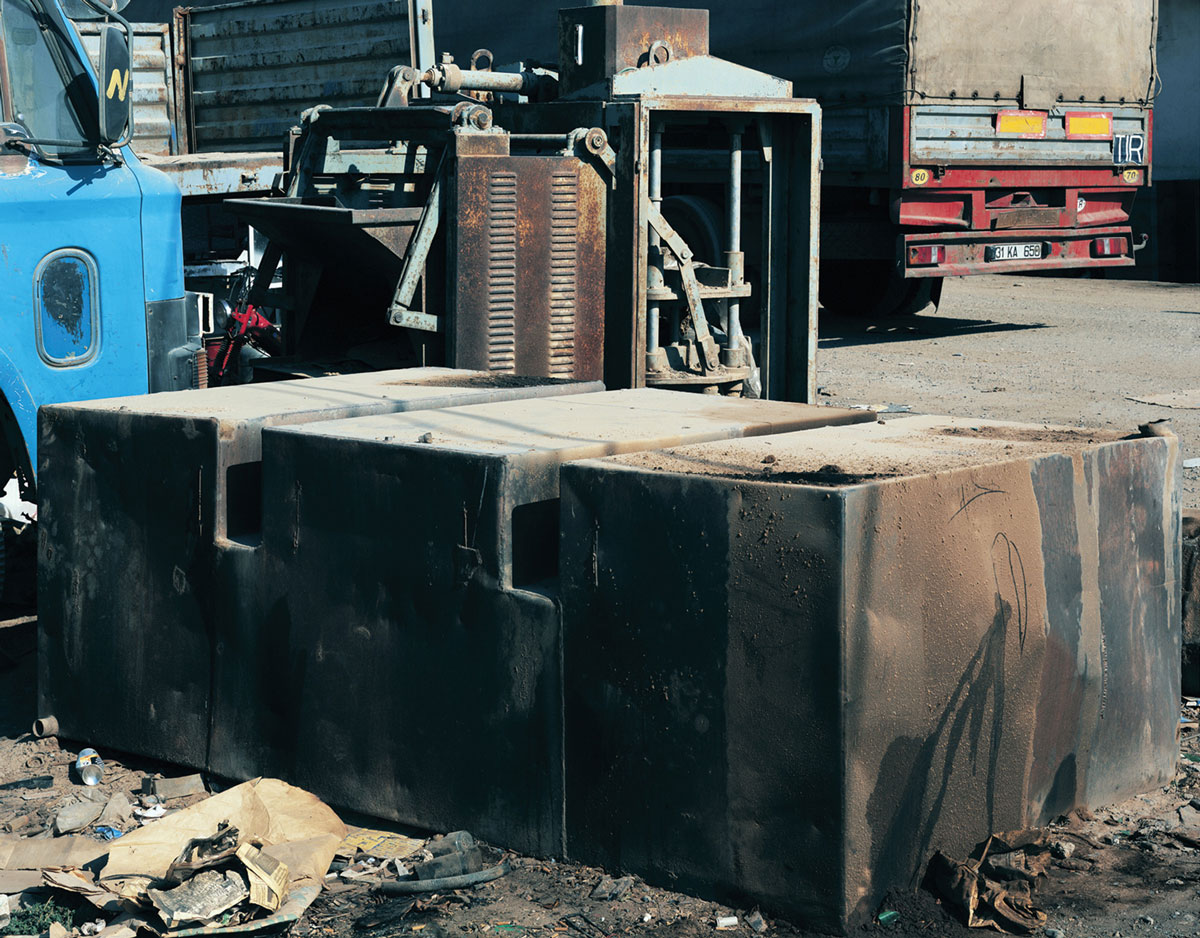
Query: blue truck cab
[[91, 259]]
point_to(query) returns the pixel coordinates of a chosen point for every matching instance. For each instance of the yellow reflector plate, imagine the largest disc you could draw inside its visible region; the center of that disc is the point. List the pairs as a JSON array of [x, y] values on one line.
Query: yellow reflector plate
[[1021, 123], [1098, 126]]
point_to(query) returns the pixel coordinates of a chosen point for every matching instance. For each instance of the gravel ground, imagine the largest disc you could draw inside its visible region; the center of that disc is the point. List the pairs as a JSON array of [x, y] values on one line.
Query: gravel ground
[[1037, 349]]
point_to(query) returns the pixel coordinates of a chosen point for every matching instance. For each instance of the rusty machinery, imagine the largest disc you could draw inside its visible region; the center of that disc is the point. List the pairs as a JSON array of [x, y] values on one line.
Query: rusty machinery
[[645, 214]]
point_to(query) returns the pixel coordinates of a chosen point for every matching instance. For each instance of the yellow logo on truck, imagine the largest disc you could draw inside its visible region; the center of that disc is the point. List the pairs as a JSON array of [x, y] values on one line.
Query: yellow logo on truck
[[1132, 175], [919, 177], [118, 82]]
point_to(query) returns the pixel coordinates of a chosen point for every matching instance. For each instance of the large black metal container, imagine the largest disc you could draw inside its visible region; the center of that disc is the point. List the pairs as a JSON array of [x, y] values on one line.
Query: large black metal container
[[149, 522], [799, 664], [408, 662]]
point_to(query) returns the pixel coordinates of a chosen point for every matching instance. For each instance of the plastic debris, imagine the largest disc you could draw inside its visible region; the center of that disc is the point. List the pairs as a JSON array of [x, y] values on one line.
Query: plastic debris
[[76, 816], [757, 922], [888, 916], [726, 922], [108, 833]]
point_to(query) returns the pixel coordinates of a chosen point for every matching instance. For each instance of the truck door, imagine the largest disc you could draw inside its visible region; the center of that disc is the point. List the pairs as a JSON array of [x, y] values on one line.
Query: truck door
[[73, 313]]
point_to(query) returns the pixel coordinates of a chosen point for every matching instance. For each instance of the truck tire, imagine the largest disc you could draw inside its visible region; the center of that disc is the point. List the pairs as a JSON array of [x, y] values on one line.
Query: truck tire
[[874, 290]]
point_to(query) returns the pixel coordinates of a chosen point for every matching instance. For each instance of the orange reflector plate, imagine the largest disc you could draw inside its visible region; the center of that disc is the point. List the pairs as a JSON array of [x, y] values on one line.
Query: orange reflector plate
[[1029, 124], [1088, 125]]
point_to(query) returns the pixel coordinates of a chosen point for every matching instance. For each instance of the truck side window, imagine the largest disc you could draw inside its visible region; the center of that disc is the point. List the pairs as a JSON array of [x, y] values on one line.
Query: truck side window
[[52, 95], [66, 300]]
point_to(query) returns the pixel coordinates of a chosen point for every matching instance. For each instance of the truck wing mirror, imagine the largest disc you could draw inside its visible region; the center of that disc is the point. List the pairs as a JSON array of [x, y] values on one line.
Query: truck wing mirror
[[116, 91]]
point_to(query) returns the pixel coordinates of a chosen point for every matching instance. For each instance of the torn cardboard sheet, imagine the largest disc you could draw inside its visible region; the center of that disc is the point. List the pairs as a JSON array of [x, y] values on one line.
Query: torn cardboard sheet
[[17, 853], [296, 829], [83, 885]]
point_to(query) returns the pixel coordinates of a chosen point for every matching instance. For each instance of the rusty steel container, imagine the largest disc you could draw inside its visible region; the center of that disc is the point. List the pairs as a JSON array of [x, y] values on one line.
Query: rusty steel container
[[150, 519], [858, 645], [412, 638]]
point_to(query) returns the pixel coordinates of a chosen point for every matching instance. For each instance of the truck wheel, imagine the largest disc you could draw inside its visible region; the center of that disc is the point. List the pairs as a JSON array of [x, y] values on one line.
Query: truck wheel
[[874, 290]]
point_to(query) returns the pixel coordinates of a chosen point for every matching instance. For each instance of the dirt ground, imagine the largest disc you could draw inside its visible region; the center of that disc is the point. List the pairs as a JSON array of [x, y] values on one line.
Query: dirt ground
[[1030, 349], [1037, 349]]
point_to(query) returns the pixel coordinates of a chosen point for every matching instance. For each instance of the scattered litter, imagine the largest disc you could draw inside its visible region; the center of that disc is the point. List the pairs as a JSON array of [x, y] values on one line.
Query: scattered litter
[[202, 898], [884, 408], [150, 813], [268, 877], [609, 889], [108, 833], [77, 816], [1062, 849], [92, 928], [89, 767], [888, 916], [167, 788], [726, 922], [982, 902], [454, 854], [375, 843], [287, 825], [117, 813], [756, 921]]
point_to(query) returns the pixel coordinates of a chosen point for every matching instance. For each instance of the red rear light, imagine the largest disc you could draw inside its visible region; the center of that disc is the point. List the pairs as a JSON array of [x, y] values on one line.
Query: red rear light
[[1108, 247], [926, 255]]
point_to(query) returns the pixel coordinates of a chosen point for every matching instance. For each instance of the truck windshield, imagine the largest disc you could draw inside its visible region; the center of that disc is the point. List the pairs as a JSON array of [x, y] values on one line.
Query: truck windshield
[[49, 91]]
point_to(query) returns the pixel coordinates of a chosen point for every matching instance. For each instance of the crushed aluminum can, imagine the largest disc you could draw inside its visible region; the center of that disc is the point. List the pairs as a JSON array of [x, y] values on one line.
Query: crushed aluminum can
[[89, 767]]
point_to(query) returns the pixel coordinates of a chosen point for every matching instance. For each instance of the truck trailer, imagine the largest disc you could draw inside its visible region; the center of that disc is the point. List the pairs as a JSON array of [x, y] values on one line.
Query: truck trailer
[[960, 137]]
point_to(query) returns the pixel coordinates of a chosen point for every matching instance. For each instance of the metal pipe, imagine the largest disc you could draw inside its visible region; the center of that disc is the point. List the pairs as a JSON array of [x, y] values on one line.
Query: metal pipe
[[654, 269], [735, 193], [733, 332]]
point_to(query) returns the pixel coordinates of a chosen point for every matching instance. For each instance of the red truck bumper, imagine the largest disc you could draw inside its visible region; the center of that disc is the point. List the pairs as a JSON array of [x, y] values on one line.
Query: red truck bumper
[[958, 253]]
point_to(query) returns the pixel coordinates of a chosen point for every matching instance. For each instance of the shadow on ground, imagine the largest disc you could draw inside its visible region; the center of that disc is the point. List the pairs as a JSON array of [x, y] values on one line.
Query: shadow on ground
[[843, 331]]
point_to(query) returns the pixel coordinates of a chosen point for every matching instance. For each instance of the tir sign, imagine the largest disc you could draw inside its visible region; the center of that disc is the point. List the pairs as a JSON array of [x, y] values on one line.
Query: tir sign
[[1129, 148], [1029, 125]]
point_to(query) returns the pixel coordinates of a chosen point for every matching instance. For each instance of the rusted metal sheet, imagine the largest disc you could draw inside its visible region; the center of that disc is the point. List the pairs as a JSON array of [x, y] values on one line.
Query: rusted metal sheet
[[249, 68], [529, 250], [887, 640], [153, 85], [143, 583], [208, 174]]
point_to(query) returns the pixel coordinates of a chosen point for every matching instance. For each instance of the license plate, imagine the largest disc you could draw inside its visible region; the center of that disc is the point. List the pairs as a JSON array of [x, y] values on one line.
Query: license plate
[[1015, 252]]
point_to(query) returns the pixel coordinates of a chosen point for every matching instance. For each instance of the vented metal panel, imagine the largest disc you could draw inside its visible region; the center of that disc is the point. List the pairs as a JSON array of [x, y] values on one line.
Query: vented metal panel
[[528, 251], [564, 239], [153, 85], [502, 271], [251, 67], [958, 133]]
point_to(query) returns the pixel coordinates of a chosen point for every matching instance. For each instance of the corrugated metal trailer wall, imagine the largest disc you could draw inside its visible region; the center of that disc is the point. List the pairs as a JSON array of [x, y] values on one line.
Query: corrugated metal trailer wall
[[246, 70]]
